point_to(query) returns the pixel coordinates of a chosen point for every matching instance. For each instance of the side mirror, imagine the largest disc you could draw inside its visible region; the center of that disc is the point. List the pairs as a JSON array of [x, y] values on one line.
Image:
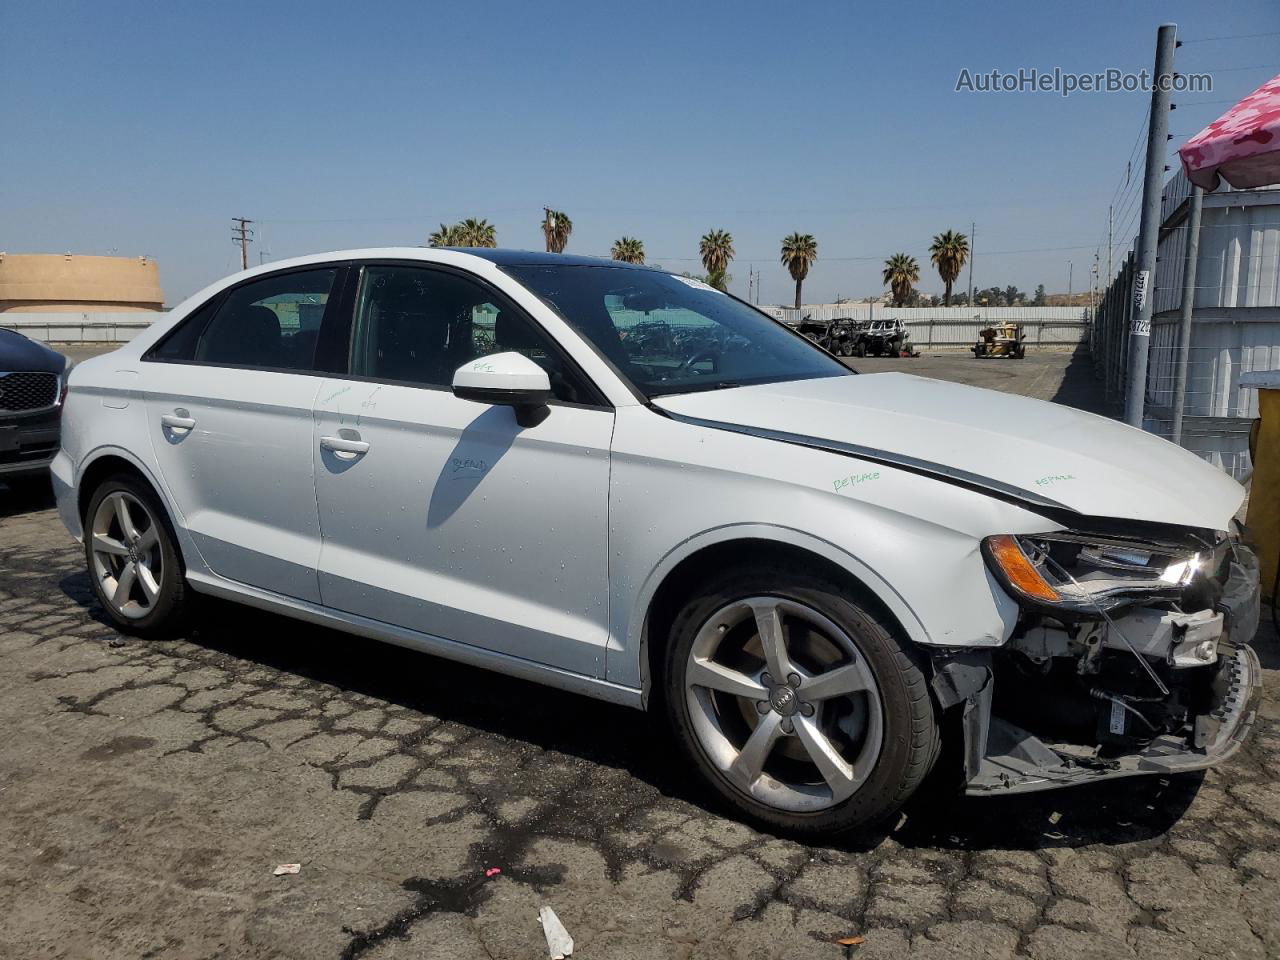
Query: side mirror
[[509, 380]]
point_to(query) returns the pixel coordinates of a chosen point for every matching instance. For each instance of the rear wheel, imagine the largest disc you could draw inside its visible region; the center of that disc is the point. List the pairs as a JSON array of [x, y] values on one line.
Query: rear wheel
[[133, 559], [796, 704]]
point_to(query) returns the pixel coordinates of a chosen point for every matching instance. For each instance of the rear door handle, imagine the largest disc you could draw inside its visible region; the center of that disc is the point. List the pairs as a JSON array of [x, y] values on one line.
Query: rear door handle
[[341, 446], [175, 422]]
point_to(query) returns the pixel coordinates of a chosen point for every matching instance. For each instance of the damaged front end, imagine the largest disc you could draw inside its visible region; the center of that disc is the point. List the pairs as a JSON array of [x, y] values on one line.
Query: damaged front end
[[1130, 656]]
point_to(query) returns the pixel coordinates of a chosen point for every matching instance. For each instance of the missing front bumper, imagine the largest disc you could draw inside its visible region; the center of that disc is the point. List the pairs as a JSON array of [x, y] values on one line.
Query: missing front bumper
[[1016, 761], [1002, 757]]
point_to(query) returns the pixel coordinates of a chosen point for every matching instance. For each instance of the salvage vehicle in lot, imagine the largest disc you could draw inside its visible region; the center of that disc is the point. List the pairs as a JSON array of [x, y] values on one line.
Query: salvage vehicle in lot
[[819, 577], [32, 381], [839, 337], [883, 337], [1001, 340]]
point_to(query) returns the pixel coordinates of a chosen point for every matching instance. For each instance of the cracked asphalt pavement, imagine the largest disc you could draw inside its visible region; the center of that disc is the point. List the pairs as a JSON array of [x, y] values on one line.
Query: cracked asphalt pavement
[[149, 790]]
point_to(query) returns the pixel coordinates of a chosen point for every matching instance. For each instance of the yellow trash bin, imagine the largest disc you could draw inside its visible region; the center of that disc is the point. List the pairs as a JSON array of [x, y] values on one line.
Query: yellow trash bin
[[1263, 518]]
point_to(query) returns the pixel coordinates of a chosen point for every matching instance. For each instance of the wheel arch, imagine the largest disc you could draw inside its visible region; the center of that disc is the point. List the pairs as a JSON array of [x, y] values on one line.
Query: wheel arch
[[684, 568], [106, 461]]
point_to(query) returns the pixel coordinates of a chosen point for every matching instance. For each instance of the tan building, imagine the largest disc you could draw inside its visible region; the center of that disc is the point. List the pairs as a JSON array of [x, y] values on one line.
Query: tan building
[[70, 283]]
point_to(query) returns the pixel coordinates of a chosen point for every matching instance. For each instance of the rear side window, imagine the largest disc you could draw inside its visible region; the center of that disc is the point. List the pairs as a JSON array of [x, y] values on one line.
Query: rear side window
[[414, 325], [180, 344], [273, 322]]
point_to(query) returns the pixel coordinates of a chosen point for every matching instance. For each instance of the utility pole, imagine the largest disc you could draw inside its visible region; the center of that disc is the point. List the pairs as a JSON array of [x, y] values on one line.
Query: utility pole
[[1144, 279], [973, 229], [1071, 267], [241, 234], [1109, 245], [1093, 289]]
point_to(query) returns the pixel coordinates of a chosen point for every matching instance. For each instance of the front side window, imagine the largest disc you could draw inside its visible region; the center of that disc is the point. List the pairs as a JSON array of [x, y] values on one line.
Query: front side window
[[418, 326], [272, 322], [669, 334]]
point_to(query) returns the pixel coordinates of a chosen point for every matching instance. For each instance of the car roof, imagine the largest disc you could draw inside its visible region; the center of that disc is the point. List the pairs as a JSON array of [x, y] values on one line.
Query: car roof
[[537, 258], [499, 257]]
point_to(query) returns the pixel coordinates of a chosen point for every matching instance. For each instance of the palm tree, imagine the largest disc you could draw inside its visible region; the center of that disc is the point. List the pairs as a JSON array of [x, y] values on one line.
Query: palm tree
[[476, 233], [949, 252], [446, 236], [799, 251], [901, 273], [556, 228], [716, 248], [628, 250]]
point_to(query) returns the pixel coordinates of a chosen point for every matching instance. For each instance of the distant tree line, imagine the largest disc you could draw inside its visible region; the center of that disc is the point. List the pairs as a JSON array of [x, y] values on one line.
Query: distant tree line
[[948, 252]]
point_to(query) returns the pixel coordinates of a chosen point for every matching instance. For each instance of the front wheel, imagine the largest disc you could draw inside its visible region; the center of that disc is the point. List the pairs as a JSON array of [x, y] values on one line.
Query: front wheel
[[133, 559], [796, 704]]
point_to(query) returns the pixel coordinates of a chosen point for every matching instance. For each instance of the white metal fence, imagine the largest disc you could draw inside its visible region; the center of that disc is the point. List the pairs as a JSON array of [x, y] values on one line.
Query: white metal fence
[[930, 327], [956, 327], [80, 327]]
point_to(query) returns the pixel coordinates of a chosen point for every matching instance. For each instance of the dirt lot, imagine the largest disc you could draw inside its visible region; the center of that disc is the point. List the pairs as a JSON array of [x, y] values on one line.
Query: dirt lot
[[150, 789]]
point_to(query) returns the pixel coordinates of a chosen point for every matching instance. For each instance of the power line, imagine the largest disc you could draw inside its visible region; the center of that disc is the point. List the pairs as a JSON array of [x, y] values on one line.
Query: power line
[[1127, 179], [1256, 66], [1237, 36], [878, 258]]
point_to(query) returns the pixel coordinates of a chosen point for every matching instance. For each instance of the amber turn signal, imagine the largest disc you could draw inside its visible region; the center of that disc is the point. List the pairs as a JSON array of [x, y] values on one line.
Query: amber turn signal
[[1021, 574]]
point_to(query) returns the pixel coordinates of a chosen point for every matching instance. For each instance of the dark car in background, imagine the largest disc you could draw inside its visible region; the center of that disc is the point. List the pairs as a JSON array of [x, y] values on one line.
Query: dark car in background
[[32, 381]]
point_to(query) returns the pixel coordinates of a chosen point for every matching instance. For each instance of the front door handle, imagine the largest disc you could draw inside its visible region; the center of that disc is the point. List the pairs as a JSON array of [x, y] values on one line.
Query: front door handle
[[347, 449], [176, 422]]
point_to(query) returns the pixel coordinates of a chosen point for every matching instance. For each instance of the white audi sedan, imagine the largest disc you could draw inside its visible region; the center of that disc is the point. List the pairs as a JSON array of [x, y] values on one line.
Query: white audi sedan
[[627, 484]]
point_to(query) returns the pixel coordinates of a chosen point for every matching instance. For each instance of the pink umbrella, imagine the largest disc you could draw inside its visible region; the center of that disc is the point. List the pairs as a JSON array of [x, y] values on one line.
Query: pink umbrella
[[1241, 146]]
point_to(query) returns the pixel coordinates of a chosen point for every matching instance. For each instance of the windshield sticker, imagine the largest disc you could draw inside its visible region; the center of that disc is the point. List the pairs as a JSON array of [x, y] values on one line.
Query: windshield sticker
[[696, 284], [1053, 478], [854, 479]]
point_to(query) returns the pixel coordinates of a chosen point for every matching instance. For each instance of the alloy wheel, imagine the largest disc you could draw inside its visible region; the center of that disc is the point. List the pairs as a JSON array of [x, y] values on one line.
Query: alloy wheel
[[127, 559], [783, 703]]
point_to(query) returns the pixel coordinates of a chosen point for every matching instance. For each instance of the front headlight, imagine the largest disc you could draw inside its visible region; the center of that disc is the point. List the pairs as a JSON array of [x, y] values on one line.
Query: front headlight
[[1077, 577]]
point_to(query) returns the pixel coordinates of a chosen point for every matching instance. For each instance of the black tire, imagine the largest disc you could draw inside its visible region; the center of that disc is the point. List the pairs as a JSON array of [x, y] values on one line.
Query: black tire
[[860, 350], [910, 728], [171, 610]]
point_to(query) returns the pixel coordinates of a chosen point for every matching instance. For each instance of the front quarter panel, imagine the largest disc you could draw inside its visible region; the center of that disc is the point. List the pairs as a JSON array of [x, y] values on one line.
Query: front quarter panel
[[912, 540]]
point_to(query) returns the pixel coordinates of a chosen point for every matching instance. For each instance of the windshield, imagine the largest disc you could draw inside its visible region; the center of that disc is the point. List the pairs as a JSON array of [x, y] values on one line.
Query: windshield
[[670, 334]]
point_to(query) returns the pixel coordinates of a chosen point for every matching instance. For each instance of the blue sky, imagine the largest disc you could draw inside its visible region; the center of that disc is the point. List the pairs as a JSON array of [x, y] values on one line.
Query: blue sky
[[143, 128]]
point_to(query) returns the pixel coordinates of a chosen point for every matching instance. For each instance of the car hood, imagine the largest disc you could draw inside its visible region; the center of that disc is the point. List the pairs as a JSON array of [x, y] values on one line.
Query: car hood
[[1042, 453], [19, 353]]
